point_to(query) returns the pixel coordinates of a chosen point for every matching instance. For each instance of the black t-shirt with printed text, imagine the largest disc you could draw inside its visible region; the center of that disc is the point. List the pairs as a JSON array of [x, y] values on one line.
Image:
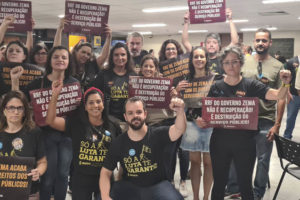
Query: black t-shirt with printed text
[[23, 144], [142, 161], [115, 89], [90, 144]]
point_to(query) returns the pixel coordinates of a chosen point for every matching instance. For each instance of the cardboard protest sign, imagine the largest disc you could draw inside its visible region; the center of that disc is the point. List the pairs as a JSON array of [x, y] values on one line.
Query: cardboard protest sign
[[14, 182], [197, 89], [154, 91], [85, 17], [231, 113], [175, 68], [207, 11], [68, 100], [21, 10], [30, 73]]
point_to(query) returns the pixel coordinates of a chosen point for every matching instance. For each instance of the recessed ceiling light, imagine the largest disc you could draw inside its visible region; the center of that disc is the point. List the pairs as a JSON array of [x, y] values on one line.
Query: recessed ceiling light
[[165, 9], [279, 1], [143, 32], [298, 17], [61, 16], [148, 25], [255, 29], [195, 31], [238, 21]]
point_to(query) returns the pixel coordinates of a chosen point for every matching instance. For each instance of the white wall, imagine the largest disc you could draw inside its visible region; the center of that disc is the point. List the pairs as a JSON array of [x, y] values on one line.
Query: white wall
[[155, 42]]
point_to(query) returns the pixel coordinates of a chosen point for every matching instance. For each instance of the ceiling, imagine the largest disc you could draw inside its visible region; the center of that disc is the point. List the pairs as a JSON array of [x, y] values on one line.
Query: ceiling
[[124, 13]]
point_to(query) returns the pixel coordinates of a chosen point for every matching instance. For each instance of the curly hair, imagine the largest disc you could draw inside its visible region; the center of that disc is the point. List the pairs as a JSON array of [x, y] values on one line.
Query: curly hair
[[27, 121], [162, 52], [233, 49]]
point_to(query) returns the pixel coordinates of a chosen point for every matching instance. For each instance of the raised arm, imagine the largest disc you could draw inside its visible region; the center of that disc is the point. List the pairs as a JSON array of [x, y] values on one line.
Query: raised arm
[[105, 50], [8, 20], [58, 34], [285, 77], [179, 126], [104, 183], [29, 40], [52, 120], [185, 34], [15, 74], [233, 32]]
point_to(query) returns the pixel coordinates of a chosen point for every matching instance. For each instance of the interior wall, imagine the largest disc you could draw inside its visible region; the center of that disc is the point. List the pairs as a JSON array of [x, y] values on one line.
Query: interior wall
[[155, 42]]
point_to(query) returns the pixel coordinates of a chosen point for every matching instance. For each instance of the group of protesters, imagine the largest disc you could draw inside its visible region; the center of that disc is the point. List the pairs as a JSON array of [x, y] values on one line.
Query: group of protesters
[[110, 132]]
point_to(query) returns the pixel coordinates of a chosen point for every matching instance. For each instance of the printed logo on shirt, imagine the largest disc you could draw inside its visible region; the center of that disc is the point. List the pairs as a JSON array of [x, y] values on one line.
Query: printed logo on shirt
[[17, 144], [1, 145], [138, 164], [117, 92], [131, 152]]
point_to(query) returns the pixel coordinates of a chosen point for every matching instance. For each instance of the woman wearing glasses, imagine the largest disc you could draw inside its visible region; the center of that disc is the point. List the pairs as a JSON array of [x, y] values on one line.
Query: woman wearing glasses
[[20, 137], [39, 55], [228, 145]]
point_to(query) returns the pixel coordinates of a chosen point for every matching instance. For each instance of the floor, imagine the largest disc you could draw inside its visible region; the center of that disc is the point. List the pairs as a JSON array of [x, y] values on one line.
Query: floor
[[290, 188]]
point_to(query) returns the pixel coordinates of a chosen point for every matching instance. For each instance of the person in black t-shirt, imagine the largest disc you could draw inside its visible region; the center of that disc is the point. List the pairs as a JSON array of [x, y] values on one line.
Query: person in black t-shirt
[[114, 82], [237, 145], [85, 66], [139, 151], [91, 133], [58, 146], [19, 136]]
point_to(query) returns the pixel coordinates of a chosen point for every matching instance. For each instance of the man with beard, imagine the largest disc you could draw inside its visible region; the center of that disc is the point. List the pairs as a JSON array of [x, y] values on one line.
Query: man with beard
[[262, 66], [140, 152], [135, 44]]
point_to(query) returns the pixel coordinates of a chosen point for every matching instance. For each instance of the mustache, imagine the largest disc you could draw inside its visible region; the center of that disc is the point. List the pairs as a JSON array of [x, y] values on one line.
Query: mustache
[[136, 118]]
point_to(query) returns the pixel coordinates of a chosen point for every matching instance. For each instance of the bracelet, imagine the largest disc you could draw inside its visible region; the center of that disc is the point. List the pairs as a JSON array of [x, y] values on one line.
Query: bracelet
[[286, 85]]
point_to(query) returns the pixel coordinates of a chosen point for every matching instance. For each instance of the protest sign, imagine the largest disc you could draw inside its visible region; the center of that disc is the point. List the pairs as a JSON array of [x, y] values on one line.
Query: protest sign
[[68, 100], [30, 73], [197, 89], [85, 18], [176, 68], [21, 10], [155, 92], [207, 11], [231, 113], [14, 182]]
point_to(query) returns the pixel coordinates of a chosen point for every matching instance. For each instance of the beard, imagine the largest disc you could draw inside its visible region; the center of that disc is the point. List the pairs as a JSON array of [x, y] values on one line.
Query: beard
[[136, 126], [261, 52]]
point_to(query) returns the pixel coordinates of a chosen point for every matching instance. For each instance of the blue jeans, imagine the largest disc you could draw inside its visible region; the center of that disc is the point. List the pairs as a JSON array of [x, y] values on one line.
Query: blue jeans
[[263, 154], [59, 157], [124, 190], [292, 112]]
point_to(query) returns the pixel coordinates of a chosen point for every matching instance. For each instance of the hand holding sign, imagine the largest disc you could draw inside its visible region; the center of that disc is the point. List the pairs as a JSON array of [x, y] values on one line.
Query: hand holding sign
[[16, 72], [285, 76], [201, 122], [56, 87], [186, 17], [8, 20], [62, 22], [182, 85], [35, 174], [228, 13], [107, 30]]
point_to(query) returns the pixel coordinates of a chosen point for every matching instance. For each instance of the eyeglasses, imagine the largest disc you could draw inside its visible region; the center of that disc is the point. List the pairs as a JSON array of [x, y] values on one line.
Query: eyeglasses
[[171, 49], [232, 63], [12, 109]]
